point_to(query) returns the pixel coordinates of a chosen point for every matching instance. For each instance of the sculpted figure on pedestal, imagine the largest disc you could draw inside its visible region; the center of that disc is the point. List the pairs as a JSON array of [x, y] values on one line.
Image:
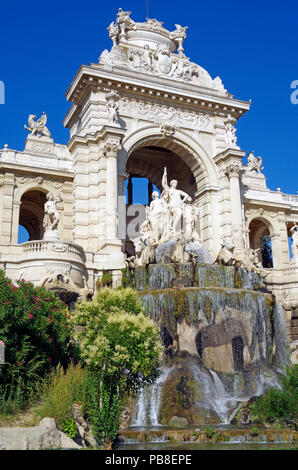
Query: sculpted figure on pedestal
[[294, 231], [38, 127], [163, 238], [254, 163], [51, 216], [175, 199]]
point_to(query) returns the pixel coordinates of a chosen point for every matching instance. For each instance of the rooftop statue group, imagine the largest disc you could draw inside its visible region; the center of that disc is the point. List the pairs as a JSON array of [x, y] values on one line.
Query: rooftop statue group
[[170, 222], [154, 58]]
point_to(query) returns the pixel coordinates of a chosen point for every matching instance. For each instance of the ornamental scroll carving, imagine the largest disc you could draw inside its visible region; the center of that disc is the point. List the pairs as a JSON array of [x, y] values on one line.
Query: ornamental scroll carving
[[169, 114]]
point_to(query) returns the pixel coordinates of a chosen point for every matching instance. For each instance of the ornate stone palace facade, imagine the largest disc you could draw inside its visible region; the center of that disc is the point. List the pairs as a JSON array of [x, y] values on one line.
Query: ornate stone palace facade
[[142, 107]]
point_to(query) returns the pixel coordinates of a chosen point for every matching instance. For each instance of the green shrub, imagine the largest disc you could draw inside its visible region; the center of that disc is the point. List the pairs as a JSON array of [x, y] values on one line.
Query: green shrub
[[35, 329], [61, 390], [121, 347], [279, 406], [209, 431], [69, 427]]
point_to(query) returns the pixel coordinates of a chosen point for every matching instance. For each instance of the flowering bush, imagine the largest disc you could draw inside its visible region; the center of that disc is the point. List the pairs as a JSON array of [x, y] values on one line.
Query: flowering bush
[[35, 329], [121, 347]]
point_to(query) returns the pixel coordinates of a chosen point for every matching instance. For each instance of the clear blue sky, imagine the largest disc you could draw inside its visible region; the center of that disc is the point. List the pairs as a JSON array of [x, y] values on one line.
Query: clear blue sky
[[251, 45]]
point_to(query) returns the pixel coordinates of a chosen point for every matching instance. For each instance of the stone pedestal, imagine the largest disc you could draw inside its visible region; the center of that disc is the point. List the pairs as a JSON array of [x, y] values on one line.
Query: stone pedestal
[[39, 144], [254, 180], [51, 235]]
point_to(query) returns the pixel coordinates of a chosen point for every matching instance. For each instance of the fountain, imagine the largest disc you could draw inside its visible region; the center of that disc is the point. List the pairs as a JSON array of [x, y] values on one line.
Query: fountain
[[223, 333]]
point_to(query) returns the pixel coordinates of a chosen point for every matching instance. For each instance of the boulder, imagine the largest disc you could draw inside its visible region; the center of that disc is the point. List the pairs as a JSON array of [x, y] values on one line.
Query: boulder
[[178, 422], [44, 436]]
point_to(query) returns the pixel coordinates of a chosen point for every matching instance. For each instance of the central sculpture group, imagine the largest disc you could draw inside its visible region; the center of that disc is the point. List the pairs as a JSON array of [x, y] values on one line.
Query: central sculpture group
[[169, 225]]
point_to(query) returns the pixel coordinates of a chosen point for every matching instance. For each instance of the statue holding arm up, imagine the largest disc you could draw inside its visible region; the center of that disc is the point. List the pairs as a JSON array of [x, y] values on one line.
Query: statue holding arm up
[[175, 199]]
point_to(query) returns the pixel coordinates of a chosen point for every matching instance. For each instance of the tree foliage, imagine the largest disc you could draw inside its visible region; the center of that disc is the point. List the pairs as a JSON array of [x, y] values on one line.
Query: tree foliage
[[121, 347], [36, 332], [279, 406]]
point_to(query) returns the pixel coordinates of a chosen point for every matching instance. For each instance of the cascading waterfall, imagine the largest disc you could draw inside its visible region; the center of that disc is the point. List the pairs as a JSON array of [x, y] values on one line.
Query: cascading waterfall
[[282, 346], [224, 337], [148, 403]]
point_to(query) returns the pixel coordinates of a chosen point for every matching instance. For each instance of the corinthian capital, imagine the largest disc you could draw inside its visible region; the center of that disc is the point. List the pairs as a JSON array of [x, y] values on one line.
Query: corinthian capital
[[233, 170], [111, 149]]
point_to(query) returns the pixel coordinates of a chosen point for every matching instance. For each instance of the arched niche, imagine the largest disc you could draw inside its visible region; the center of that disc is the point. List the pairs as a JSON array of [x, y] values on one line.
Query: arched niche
[[260, 231], [32, 212]]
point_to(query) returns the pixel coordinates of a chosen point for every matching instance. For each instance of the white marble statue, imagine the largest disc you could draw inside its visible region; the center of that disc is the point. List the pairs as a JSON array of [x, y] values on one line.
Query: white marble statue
[[169, 227], [38, 127], [147, 58], [112, 107], [158, 218], [188, 222], [254, 163], [231, 139], [113, 32], [294, 231], [175, 198], [51, 217]]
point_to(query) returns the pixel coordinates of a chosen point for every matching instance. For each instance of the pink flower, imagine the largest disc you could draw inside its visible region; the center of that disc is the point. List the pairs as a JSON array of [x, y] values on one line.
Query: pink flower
[[30, 315], [6, 303]]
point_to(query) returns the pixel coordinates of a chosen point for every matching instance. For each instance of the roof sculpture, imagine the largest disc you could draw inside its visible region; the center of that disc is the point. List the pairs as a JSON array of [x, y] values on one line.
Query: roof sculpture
[[151, 49]]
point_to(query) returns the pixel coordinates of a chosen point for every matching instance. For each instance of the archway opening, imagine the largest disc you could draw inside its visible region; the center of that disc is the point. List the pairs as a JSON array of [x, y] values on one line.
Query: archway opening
[[23, 235], [145, 167], [31, 215], [149, 162], [259, 238]]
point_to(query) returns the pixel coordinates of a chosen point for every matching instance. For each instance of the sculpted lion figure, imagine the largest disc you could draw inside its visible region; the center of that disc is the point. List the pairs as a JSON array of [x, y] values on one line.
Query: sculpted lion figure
[[38, 127]]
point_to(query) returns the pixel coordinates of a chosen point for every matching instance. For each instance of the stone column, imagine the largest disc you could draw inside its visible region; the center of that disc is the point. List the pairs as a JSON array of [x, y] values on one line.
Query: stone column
[[111, 151], [7, 204], [129, 191], [121, 207], [276, 249], [233, 172], [15, 221]]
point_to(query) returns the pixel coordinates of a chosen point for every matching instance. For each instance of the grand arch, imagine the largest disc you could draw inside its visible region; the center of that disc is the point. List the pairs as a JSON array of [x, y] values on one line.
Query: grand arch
[[180, 143], [146, 151]]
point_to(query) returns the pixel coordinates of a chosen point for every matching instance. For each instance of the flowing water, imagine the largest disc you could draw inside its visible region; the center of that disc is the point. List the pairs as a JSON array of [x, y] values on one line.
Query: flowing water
[[225, 341]]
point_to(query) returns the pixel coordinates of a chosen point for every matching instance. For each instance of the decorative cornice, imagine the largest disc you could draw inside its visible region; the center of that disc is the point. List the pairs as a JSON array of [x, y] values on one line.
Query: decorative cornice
[[96, 77]]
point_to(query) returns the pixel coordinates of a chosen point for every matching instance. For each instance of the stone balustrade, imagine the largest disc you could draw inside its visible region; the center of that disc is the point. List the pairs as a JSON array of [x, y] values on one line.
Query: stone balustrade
[[59, 249]]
